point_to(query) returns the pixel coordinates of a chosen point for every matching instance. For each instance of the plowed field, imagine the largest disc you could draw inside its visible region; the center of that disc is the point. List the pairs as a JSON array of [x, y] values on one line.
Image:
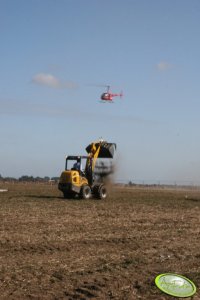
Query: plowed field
[[51, 248]]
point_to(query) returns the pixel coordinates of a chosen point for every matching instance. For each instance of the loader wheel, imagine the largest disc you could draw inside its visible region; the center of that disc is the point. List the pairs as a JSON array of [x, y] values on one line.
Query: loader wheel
[[68, 195], [102, 192], [85, 192]]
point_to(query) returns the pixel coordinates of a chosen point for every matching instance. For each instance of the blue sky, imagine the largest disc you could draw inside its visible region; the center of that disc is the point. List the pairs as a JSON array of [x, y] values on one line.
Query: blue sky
[[54, 54]]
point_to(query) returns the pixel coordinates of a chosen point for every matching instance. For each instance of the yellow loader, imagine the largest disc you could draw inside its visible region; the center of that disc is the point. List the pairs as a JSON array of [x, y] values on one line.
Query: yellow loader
[[82, 182]]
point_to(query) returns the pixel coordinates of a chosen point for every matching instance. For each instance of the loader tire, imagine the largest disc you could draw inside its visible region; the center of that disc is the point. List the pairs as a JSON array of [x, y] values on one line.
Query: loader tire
[[85, 192], [102, 192], [68, 195]]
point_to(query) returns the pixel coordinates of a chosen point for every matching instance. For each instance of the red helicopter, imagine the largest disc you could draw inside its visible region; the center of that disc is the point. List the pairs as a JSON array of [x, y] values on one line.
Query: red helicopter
[[108, 96]]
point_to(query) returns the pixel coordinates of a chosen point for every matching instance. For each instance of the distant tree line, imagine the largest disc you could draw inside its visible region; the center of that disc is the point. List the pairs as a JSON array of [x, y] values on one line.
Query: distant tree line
[[26, 178]]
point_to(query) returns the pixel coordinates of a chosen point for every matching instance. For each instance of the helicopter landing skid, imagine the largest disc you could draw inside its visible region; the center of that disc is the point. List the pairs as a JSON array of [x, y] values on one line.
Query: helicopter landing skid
[[106, 101]]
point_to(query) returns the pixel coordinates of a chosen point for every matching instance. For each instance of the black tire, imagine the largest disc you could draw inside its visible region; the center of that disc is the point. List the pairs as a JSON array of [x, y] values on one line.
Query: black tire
[[85, 192], [68, 195], [102, 192]]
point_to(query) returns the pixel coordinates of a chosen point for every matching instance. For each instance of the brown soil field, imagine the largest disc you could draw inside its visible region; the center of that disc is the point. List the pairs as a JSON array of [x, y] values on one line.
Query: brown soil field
[[51, 248]]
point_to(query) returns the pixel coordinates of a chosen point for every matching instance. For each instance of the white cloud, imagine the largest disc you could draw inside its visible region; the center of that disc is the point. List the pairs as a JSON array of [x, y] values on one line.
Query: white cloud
[[46, 79], [163, 66], [52, 81]]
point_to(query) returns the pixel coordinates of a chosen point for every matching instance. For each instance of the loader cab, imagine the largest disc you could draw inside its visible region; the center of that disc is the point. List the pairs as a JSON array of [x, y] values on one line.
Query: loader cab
[[75, 163]]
